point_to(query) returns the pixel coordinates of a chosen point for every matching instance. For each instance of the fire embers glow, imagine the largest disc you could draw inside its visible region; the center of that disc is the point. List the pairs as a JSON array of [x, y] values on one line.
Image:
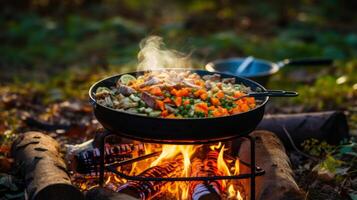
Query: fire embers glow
[[181, 161], [172, 161]]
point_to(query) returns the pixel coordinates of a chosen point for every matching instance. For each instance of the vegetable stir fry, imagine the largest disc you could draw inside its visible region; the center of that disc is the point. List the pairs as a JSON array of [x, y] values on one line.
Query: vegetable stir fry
[[176, 94]]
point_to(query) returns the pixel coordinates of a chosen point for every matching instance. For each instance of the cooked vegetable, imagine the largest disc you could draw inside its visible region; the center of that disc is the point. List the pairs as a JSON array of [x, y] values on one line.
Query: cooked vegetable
[[126, 79], [174, 94]]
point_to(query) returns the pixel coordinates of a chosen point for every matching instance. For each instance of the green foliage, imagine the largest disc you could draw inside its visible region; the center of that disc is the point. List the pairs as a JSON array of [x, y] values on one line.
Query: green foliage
[[317, 148], [336, 162], [330, 164]]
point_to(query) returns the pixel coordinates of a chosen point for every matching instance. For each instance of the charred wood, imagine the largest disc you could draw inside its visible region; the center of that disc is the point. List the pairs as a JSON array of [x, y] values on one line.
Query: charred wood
[[151, 189], [329, 126], [84, 158], [200, 190]]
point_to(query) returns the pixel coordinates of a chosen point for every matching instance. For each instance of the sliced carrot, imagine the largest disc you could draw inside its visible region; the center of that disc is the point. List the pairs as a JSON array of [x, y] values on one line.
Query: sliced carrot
[[178, 101], [215, 101], [164, 113], [239, 102], [156, 91], [238, 94], [244, 107], [174, 92], [160, 104], [220, 94], [167, 100], [201, 107], [216, 113], [146, 88], [212, 108], [198, 109], [186, 102], [250, 100], [222, 111], [199, 82], [204, 96], [184, 92], [235, 110], [171, 116], [199, 92]]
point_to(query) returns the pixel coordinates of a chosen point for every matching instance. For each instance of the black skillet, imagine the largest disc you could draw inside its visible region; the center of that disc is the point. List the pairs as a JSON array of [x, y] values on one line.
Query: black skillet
[[183, 131], [261, 70]]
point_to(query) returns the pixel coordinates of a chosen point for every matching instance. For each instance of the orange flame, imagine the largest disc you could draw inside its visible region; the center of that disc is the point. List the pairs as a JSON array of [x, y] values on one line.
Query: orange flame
[[180, 190]]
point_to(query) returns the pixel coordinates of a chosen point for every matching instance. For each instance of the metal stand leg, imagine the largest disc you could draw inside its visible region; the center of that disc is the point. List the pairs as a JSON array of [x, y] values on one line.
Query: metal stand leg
[[254, 171], [252, 167], [101, 139]]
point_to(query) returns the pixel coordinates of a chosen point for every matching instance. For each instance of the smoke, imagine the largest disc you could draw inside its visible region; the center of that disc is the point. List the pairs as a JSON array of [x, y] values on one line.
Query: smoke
[[154, 55]]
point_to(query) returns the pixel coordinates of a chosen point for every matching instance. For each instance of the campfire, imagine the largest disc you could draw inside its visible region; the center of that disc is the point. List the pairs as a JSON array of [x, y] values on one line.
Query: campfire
[[143, 153], [137, 170], [162, 161]]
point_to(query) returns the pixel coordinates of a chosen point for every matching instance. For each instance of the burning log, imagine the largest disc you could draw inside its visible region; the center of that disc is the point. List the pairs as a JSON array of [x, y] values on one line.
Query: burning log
[[330, 126], [278, 182], [84, 158], [150, 189], [200, 190], [43, 168]]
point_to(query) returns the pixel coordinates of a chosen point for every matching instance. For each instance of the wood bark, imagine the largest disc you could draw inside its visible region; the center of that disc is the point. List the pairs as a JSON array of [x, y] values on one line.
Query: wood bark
[[201, 190], [84, 158], [43, 168], [151, 189], [330, 126], [277, 183]]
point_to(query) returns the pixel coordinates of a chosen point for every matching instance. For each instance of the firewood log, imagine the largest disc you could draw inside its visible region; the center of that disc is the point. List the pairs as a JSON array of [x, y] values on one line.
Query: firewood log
[[84, 158], [43, 168], [330, 126], [200, 190], [277, 183], [151, 189]]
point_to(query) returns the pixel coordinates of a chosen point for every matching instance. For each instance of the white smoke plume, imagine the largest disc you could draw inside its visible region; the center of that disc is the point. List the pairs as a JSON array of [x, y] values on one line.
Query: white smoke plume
[[154, 55]]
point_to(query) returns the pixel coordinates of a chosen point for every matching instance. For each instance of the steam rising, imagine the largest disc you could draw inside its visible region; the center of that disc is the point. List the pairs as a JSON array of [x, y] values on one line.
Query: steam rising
[[154, 55]]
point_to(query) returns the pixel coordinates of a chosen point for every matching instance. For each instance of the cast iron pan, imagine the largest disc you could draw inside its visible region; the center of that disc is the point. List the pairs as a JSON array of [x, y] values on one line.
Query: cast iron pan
[[181, 131], [261, 70]]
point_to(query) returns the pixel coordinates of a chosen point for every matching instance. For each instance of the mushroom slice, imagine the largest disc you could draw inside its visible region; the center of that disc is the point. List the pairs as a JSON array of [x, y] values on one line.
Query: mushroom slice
[[148, 99]]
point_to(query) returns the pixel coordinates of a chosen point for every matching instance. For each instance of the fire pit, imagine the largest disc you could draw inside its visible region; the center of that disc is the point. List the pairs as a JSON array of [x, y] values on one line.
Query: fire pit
[[150, 170], [217, 168], [185, 137]]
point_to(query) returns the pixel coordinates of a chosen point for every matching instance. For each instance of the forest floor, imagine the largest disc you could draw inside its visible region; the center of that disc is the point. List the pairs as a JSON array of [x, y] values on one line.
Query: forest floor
[[47, 66]]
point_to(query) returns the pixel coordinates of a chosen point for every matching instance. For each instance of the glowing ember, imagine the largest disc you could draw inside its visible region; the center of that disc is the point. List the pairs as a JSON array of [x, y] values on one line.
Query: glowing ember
[[177, 161]]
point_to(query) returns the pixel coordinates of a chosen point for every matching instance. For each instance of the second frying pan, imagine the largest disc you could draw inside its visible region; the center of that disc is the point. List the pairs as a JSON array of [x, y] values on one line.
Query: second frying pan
[[261, 70]]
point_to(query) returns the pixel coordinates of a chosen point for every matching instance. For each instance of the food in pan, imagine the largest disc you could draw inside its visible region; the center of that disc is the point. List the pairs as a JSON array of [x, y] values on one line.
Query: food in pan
[[176, 94]]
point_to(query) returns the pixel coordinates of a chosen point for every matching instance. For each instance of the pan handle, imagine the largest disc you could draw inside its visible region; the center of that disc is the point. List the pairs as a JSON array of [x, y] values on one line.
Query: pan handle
[[305, 61], [273, 93]]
